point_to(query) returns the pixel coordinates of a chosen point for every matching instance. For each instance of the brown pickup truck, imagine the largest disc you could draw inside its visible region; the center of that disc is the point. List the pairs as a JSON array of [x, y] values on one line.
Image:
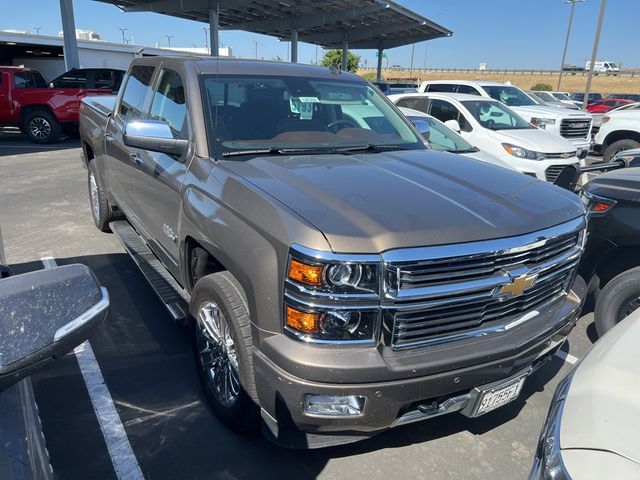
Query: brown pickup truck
[[340, 277]]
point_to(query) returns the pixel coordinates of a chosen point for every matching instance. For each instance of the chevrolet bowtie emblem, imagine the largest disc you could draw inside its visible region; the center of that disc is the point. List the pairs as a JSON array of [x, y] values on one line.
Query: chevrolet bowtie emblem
[[517, 286]]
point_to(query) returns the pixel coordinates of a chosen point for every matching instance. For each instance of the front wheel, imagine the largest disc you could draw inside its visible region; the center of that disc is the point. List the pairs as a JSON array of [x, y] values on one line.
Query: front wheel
[[617, 300], [42, 127], [101, 211], [224, 350], [619, 146]]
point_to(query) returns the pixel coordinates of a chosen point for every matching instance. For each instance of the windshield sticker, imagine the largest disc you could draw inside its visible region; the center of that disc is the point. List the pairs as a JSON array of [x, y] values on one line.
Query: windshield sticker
[[303, 106]]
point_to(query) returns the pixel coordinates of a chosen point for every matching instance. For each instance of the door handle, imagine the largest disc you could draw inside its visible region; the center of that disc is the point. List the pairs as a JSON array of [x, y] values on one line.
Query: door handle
[[108, 137], [136, 159]]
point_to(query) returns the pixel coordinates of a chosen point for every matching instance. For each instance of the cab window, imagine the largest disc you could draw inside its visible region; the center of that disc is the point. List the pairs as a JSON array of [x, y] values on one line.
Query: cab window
[[72, 79], [441, 87], [468, 90], [136, 92], [169, 103], [414, 103], [27, 79], [444, 111]]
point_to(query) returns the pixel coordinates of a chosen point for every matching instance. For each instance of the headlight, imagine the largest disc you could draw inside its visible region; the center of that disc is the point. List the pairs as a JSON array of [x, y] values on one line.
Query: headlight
[[548, 464], [332, 298], [520, 152], [334, 277], [542, 122]]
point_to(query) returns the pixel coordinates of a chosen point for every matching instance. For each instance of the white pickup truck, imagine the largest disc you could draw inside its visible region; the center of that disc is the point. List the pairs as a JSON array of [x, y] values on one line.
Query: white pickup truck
[[571, 125], [620, 130]]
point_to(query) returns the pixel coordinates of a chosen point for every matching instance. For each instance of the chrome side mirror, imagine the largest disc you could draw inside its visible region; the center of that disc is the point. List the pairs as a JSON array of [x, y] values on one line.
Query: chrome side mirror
[[154, 135]]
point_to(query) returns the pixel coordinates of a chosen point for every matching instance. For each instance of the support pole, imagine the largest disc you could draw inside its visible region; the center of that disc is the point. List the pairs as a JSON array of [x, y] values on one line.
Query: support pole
[[71, 55], [345, 51], [294, 46], [566, 44], [214, 31], [594, 55], [379, 70]]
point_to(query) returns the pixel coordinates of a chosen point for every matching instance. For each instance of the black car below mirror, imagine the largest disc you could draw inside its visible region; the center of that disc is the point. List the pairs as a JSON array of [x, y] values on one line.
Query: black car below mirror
[[45, 314]]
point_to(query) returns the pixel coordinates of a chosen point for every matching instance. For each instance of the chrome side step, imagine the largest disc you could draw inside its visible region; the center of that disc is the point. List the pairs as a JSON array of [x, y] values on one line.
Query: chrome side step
[[174, 297]]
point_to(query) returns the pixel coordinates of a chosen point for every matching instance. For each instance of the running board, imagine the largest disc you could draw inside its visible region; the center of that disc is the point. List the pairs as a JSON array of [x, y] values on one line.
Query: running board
[[174, 297]]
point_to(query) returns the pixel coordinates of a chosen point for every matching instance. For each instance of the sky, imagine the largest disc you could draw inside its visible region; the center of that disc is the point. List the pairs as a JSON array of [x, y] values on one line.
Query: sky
[[501, 33]]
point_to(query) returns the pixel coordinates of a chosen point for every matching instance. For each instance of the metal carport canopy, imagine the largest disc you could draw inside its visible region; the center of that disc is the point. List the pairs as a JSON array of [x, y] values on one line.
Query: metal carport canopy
[[366, 24]]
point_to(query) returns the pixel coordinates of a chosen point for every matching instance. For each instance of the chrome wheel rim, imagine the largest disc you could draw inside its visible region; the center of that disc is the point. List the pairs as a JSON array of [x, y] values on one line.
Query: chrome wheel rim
[[40, 127], [93, 194], [217, 353]]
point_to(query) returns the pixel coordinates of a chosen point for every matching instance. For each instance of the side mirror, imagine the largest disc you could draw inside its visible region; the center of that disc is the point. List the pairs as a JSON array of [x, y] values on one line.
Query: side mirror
[[50, 84], [453, 125], [423, 127], [631, 158], [44, 315], [154, 135]]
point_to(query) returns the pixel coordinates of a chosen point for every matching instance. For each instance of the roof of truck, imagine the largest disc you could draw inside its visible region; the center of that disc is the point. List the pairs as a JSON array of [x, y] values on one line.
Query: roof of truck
[[468, 82], [460, 97], [227, 66]]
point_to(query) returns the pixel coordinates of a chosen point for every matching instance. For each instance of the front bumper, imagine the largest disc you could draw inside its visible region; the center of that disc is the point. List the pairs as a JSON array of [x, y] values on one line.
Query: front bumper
[[402, 400]]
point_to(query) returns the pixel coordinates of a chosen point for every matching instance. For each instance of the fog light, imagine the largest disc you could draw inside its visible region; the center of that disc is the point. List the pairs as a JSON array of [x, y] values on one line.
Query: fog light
[[334, 406]]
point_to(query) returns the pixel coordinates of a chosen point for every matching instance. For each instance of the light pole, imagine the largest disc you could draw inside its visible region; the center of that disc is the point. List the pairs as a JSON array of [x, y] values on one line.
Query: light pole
[[169, 37], [37, 29], [566, 42], [426, 49], [594, 54], [413, 50], [255, 48], [122, 30], [206, 39]]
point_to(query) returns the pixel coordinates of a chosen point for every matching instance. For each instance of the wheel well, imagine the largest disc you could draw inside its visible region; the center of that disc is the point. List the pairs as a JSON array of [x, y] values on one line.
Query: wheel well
[[621, 135], [200, 262], [616, 262], [31, 108]]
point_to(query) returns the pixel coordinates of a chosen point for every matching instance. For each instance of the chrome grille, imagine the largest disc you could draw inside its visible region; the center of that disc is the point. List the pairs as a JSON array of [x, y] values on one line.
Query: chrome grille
[[474, 311], [439, 297], [575, 128], [455, 269], [552, 172]]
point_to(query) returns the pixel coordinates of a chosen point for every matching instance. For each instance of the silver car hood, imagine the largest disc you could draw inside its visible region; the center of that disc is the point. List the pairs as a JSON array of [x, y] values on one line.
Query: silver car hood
[[602, 409]]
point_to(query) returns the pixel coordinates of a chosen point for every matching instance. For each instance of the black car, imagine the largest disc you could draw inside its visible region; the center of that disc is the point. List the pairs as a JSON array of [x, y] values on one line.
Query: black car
[[626, 96], [611, 262], [579, 97], [90, 78]]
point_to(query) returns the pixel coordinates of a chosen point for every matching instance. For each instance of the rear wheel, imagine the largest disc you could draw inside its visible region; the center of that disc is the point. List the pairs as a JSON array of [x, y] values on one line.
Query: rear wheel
[[101, 211], [617, 300], [42, 127], [619, 146], [224, 350]]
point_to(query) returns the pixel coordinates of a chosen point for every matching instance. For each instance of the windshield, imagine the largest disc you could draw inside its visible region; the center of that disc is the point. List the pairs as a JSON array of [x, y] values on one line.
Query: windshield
[[547, 97], [280, 113], [511, 96], [561, 96], [442, 138], [496, 116]]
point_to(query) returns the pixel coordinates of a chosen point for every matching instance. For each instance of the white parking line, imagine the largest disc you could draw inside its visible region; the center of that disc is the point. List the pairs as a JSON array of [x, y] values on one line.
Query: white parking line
[[124, 460], [567, 357]]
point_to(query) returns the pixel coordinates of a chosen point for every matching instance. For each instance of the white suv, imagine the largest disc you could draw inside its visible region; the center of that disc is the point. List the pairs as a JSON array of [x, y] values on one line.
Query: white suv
[[496, 129], [620, 130], [572, 125]]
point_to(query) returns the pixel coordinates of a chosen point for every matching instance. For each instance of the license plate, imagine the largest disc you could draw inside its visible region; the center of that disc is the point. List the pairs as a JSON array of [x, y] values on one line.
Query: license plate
[[498, 396]]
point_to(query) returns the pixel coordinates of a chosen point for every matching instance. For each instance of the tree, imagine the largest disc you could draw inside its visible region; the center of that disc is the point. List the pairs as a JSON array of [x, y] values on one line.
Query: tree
[[542, 87], [334, 58]]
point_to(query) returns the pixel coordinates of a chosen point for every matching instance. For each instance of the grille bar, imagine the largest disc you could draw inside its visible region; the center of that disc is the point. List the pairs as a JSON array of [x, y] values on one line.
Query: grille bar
[[575, 128]]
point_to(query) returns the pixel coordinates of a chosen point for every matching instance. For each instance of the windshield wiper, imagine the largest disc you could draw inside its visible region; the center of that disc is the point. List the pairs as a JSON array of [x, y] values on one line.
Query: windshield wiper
[[262, 151], [370, 148], [465, 150]]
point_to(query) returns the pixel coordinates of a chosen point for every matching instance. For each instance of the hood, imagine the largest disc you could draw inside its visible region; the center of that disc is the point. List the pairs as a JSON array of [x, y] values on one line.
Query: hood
[[602, 409], [623, 184], [487, 157], [548, 112], [533, 139], [378, 201]]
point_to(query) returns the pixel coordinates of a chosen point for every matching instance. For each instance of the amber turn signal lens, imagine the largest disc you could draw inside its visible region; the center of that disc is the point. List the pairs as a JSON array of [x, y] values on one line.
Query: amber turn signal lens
[[304, 273], [303, 321]]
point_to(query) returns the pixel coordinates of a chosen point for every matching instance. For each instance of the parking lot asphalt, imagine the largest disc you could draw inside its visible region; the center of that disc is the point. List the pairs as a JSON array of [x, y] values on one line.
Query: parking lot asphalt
[[149, 370]]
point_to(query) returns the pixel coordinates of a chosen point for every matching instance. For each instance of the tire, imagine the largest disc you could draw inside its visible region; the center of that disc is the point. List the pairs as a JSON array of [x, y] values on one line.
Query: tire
[[42, 127], [101, 210], [225, 368], [617, 299], [619, 146]]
